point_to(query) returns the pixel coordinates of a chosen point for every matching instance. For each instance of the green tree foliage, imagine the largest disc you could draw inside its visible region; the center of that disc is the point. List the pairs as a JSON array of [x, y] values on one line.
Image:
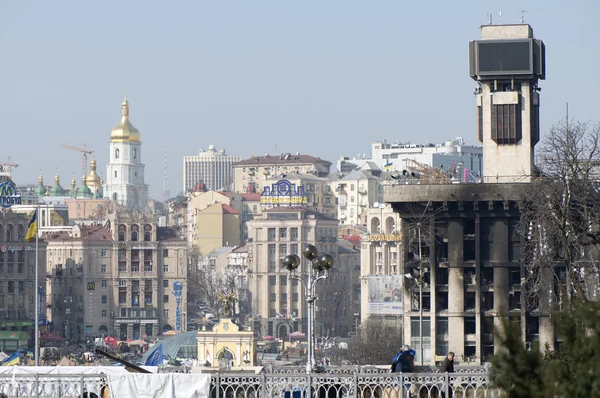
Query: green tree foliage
[[517, 371], [571, 371], [575, 369]]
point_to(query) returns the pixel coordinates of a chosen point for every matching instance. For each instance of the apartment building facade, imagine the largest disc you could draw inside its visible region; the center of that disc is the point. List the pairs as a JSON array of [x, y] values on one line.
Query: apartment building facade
[[18, 288], [212, 167], [278, 301], [251, 175], [126, 279]]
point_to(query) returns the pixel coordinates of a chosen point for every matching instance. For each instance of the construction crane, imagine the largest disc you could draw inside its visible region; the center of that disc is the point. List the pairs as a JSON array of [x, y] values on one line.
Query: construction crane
[[85, 151], [6, 167]]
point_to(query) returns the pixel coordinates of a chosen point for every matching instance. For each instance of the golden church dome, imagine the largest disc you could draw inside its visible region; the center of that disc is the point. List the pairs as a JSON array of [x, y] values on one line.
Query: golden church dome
[[93, 179], [125, 132]]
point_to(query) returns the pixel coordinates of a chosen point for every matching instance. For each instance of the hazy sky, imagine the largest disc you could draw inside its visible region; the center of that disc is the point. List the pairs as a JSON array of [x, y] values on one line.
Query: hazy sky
[[318, 77]]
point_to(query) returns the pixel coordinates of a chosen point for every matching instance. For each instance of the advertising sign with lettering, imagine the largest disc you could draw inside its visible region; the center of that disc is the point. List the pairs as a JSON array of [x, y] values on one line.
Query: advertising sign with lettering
[[9, 195], [283, 194], [177, 291], [385, 294], [385, 237]]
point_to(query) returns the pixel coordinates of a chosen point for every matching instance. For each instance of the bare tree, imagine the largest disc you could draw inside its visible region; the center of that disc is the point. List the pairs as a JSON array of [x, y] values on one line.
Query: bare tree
[[372, 345], [561, 218]]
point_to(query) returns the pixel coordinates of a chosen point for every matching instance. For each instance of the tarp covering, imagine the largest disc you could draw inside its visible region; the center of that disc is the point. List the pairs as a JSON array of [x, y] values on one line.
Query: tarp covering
[[68, 370], [164, 385]]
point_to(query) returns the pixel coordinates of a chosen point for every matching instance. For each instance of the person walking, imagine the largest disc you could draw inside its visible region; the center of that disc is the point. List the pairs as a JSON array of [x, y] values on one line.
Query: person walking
[[404, 362], [447, 367]]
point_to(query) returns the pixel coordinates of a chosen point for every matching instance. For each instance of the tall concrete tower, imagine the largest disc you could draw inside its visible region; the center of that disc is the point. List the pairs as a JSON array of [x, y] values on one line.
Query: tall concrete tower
[[507, 64]]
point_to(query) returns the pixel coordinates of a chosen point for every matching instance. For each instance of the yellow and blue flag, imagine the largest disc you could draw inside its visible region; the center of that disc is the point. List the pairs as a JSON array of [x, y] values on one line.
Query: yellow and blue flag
[[388, 166], [32, 228], [12, 360]]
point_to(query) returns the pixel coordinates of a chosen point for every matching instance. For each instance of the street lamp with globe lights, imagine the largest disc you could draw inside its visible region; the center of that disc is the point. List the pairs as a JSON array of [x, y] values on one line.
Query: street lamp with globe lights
[[319, 269]]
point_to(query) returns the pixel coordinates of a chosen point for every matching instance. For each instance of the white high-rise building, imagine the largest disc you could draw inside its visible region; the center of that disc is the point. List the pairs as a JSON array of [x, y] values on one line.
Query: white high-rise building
[[125, 171], [211, 168]]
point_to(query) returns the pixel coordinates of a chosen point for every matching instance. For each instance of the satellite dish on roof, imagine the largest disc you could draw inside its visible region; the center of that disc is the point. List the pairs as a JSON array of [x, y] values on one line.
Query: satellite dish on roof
[[376, 204]]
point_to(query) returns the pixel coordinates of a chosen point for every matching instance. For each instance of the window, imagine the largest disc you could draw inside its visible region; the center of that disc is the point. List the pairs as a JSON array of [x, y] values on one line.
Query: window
[[104, 283], [294, 297], [121, 236], [165, 268], [104, 299], [148, 267], [284, 297], [273, 297], [103, 253], [103, 268], [115, 173], [116, 156], [506, 123], [415, 337], [272, 280], [283, 280], [165, 252], [165, 283], [352, 187], [122, 283], [135, 155], [272, 234], [166, 313], [103, 313], [294, 234], [282, 233], [166, 298]]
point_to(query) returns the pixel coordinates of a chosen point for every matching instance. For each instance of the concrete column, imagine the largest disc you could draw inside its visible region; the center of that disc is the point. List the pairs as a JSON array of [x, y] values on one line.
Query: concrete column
[[155, 329], [456, 288], [201, 350], [478, 267], [129, 331], [500, 259], [433, 312]]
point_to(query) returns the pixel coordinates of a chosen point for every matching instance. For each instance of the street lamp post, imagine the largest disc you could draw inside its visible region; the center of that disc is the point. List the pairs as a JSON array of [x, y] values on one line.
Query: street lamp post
[[319, 269], [418, 278], [356, 318]]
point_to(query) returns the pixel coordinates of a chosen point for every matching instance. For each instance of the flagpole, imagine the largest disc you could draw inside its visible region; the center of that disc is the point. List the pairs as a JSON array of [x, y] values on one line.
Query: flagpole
[[37, 287]]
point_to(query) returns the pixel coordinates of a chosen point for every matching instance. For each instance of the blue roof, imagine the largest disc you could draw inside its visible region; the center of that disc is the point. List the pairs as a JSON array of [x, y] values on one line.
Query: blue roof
[[172, 344]]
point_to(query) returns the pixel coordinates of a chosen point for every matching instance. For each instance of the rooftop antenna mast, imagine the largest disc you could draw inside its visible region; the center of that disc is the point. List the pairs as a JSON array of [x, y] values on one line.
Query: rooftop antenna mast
[[165, 192], [489, 18], [500, 17]]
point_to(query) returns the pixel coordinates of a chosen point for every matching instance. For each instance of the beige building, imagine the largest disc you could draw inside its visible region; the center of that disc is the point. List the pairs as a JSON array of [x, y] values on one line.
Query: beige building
[[81, 209], [280, 302], [126, 279], [198, 201], [226, 345], [251, 175], [356, 192], [217, 225], [382, 297]]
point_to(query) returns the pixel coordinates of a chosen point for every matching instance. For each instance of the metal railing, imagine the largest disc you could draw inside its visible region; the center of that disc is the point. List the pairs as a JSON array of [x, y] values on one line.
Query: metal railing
[[284, 385]]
